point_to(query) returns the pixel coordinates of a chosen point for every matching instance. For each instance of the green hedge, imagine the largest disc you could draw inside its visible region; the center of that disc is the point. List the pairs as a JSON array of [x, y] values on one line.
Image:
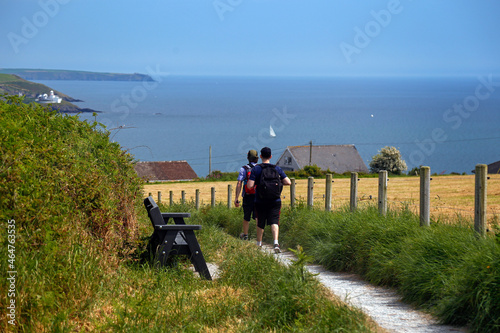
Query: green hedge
[[73, 195]]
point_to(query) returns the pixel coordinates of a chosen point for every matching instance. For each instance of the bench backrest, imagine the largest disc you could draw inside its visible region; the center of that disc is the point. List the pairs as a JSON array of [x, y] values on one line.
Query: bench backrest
[[153, 212]]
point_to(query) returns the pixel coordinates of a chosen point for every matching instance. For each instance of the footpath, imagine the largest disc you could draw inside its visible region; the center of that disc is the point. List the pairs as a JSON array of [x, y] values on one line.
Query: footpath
[[383, 305]]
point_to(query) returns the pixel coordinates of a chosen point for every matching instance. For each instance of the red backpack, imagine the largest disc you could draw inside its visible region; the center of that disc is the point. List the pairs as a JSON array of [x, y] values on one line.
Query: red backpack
[[248, 168]]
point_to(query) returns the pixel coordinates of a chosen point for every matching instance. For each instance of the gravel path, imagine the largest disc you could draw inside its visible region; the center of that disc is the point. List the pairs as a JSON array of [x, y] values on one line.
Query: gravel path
[[381, 304]]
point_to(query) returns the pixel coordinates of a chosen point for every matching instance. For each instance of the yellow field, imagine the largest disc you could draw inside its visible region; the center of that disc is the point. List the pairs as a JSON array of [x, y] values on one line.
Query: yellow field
[[450, 195]]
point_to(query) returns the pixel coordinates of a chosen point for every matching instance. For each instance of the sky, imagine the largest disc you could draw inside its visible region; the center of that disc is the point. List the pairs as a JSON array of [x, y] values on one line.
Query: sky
[[253, 37]]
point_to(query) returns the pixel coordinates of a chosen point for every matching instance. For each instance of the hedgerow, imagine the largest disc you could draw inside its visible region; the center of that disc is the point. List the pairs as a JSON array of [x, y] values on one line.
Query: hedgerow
[[71, 194]]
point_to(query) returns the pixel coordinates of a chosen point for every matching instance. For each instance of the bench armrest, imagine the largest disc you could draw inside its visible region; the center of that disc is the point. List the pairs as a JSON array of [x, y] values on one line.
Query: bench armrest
[[179, 227], [175, 215]]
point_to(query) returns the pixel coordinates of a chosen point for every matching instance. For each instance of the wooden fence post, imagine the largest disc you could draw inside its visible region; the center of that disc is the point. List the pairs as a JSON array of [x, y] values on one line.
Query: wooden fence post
[[197, 199], [310, 192], [328, 193], [229, 192], [183, 197], [382, 192], [425, 196], [292, 193], [354, 192], [159, 196], [171, 194], [480, 200], [212, 194]]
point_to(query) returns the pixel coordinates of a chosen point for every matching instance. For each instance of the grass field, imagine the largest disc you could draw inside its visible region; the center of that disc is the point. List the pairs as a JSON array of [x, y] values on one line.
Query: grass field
[[451, 195]]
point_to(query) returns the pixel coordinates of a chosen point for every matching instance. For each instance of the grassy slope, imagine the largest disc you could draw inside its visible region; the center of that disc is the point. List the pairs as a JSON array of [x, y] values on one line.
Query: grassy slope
[[9, 83]]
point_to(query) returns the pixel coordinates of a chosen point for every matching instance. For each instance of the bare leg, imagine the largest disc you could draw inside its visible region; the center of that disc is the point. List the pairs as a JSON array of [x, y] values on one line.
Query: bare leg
[[260, 233], [275, 229], [245, 227]]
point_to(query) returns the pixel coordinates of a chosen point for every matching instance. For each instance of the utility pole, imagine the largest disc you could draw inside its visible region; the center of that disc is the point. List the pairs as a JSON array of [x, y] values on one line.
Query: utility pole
[[209, 160], [310, 152]]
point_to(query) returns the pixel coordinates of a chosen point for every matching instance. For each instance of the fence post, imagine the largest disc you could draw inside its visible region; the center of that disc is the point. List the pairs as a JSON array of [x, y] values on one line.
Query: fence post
[[382, 192], [212, 194], [292, 193], [425, 196], [150, 194], [480, 200], [159, 196], [354, 192], [328, 193], [197, 199], [171, 194], [183, 197], [310, 192], [229, 192]]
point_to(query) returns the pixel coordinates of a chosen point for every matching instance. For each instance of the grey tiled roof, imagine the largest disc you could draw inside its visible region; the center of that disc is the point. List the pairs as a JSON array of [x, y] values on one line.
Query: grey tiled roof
[[336, 158]]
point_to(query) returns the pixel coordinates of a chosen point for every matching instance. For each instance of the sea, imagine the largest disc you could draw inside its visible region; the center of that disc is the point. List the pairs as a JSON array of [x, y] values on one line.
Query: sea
[[450, 124]]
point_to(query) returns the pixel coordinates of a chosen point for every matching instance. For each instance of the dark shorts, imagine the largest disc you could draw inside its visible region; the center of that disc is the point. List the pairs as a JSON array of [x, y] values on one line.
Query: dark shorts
[[249, 207], [268, 213]]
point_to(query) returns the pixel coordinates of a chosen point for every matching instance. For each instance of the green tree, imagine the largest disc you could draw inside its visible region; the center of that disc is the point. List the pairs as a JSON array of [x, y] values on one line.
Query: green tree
[[388, 158]]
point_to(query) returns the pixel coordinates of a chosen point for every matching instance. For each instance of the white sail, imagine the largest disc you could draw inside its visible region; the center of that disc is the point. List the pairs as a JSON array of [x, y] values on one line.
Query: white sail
[[271, 132]]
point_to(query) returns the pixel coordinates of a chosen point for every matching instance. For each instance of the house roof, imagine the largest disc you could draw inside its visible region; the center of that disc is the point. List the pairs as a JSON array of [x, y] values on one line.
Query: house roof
[[336, 158], [165, 170], [494, 167]]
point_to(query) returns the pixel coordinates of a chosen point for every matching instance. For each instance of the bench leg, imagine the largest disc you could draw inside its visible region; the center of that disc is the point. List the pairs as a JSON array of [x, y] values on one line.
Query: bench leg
[[165, 247], [196, 256]]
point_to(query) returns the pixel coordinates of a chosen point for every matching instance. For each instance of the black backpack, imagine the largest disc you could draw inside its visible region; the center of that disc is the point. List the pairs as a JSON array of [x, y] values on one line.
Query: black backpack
[[270, 185]]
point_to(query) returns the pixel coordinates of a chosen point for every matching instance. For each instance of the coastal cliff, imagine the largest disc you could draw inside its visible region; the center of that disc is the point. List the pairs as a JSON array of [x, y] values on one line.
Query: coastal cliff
[[49, 74], [15, 85]]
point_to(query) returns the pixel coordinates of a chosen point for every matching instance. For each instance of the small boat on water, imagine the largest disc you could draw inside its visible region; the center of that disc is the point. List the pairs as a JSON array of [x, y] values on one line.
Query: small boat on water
[[51, 98], [271, 132]]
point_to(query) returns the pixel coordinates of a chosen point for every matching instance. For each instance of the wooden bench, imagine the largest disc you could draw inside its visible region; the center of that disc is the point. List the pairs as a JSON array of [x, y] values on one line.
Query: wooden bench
[[174, 239]]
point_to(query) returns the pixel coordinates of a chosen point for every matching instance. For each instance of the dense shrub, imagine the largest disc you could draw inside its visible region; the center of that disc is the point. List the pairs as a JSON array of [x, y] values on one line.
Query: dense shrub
[[72, 194]]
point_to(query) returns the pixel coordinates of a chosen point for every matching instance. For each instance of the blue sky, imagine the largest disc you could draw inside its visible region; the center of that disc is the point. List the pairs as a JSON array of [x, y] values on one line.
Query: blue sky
[[253, 37]]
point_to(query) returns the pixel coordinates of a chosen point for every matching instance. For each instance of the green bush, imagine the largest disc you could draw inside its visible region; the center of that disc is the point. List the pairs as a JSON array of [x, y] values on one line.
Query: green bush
[[73, 196]]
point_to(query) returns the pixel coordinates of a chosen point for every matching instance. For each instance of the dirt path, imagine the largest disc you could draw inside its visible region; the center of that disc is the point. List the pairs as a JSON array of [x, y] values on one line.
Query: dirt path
[[381, 304]]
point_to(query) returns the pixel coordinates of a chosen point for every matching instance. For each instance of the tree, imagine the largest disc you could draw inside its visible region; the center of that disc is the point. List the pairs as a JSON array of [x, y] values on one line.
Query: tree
[[388, 158]]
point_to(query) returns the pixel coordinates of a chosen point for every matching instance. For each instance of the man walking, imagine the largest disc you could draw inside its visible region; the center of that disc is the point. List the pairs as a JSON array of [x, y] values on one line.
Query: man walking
[[247, 194], [268, 179]]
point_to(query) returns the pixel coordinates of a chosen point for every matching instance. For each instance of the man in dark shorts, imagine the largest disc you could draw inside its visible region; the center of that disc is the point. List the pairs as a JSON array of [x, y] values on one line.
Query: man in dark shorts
[[248, 195], [268, 211]]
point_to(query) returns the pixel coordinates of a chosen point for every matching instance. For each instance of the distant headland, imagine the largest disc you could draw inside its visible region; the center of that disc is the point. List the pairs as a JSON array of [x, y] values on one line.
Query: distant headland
[[56, 74], [11, 84]]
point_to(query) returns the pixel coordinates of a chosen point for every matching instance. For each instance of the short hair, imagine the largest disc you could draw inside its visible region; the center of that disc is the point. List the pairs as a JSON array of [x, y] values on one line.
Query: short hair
[[265, 152]]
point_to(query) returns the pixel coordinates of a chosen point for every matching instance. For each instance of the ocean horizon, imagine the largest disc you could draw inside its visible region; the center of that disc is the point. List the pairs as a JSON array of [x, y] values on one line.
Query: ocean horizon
[[447, 123]]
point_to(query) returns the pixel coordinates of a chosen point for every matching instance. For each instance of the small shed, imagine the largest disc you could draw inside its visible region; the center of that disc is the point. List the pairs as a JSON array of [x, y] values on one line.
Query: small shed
[[336, 158], [163, 171]]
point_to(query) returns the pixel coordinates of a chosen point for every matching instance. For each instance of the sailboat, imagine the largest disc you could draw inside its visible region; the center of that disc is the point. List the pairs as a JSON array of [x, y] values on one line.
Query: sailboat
[[271, 132]]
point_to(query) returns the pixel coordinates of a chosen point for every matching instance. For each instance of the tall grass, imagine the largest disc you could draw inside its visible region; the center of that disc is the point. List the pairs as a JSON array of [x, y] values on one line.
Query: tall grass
[[444, 269]]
